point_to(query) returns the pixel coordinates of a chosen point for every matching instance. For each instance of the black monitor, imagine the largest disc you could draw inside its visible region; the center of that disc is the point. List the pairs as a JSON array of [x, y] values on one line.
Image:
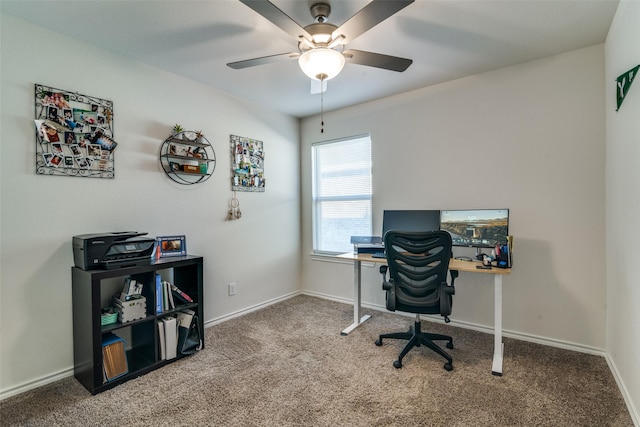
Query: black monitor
[[479, 228], [410, 220]]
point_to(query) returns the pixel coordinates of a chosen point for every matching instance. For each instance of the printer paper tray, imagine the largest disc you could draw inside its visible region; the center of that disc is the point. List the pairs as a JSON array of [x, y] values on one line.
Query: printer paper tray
[[125, 262]]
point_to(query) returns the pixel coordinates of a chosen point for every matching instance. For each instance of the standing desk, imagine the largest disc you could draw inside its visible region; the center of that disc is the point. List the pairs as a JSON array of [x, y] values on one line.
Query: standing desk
[[454, 264]]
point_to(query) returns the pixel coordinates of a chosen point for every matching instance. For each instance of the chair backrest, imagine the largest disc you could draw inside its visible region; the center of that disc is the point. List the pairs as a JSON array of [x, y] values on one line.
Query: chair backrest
[[418, 267]]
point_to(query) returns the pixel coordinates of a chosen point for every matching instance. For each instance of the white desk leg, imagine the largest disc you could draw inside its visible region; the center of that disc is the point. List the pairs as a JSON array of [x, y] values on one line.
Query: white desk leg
[[498, 346], [357, 320]]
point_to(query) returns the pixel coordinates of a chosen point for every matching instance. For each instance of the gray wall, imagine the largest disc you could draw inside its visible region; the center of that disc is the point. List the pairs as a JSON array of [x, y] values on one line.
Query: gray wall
[[540, 124], [530, 138], [623, 205], [40, 214]]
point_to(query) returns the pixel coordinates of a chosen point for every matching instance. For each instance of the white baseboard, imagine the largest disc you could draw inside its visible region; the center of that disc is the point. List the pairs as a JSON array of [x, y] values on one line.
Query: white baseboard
[[476, 327], [56, 376], [38, 382], [29, 385], [247, 310], [633, 411]]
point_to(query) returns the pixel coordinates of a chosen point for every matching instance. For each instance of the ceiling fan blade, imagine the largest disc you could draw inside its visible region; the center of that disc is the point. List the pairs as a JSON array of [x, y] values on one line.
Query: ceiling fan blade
[[368, 17], [277, 17], [377, 60], [262, 60]]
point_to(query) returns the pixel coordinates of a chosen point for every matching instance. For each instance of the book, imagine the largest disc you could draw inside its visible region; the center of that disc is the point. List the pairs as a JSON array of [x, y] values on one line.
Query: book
[[114, 358], [162, 350], [165, 297], [171, 336], [159, 294], [172, 303], [182, 296]]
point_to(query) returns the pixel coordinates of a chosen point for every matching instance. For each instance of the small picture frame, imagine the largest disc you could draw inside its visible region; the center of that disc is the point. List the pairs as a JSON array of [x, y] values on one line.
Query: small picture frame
[[56, 160], [94, 151], [171, 245]]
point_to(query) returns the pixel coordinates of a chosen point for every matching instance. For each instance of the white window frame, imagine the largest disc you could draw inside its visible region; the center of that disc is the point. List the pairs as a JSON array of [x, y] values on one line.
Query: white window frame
[[361, 191]]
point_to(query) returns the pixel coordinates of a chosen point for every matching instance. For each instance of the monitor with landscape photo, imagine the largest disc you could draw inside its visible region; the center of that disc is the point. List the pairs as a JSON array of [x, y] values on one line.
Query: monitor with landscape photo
[[480, 228]]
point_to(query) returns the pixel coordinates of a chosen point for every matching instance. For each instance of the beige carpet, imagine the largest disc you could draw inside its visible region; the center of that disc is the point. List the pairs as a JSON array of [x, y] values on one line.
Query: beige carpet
[[287, 365]]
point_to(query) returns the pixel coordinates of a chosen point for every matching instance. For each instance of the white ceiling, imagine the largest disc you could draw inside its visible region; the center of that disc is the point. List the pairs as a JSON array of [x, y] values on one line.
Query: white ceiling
[[447, 39]]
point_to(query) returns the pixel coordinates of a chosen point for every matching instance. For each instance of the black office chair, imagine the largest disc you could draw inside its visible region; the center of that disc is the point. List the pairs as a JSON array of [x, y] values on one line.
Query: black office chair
[[418, 265]]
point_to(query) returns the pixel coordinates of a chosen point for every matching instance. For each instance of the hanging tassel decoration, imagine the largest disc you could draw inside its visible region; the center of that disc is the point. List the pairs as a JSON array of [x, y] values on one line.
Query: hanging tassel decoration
[[234, 209]]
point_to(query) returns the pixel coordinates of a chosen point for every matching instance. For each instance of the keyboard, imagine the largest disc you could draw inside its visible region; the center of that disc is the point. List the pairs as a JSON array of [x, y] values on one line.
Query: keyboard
[[378, 255]]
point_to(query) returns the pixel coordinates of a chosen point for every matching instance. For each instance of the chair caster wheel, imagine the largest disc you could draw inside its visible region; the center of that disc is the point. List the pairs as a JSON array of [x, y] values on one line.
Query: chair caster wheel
[[448, 366], [449, 345], [397, 364], [378, 342]]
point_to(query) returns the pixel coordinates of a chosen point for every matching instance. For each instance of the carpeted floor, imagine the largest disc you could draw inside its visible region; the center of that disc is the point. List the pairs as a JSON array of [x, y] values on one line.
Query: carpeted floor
[[288, 365]]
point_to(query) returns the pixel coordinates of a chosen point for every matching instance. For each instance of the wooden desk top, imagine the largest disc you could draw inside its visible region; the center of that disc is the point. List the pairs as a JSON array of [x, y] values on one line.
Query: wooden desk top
[[454, 264]]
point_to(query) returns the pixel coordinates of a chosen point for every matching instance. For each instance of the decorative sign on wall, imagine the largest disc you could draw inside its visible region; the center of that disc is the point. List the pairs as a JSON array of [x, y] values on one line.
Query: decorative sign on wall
[[74, 134], [247, 164], [623, 84]]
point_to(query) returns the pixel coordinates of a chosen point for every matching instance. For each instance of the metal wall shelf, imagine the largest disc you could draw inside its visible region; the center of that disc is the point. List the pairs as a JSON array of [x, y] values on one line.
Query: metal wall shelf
[[186, 159]]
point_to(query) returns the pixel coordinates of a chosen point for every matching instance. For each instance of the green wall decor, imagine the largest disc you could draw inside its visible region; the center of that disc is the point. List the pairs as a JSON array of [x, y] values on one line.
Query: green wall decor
[[623, 83]]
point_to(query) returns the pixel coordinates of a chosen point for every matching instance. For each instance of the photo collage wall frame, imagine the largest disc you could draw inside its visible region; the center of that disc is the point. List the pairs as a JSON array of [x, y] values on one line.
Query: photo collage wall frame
[[247, 164], [74, 134]]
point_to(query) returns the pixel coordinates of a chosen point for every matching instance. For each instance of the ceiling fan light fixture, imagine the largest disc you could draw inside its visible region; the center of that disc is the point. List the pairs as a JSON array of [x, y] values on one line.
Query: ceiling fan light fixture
[[321, 63], [321, 38]]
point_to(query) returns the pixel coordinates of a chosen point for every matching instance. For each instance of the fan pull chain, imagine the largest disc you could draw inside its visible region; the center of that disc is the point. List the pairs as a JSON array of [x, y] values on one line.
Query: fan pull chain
[[321, 111], [322, 77]]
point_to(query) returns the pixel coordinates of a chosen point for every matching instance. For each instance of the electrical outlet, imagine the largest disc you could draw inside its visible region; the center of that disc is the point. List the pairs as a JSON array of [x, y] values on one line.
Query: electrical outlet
[[232, 289]]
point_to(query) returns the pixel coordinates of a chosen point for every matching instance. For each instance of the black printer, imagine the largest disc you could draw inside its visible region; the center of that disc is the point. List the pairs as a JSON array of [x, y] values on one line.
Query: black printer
[[112, 250]]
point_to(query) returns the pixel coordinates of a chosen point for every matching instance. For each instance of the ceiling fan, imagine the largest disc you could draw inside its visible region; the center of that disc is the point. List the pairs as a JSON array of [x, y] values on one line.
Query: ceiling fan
[[322, 49]]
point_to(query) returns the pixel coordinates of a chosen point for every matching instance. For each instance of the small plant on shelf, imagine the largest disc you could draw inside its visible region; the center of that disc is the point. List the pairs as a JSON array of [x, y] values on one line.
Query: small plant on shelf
[[199, 136], [177, 130]]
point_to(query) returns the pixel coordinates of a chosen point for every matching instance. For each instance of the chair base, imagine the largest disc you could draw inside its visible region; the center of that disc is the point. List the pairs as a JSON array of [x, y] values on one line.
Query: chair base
[[416, 338]]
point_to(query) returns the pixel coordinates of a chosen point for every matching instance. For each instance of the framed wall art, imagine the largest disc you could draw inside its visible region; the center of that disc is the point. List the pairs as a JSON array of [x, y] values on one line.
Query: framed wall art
[[74, 134], [247, 164]]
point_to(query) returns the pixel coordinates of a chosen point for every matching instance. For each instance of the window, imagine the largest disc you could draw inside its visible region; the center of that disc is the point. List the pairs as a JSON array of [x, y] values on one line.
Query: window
[[341, 193]]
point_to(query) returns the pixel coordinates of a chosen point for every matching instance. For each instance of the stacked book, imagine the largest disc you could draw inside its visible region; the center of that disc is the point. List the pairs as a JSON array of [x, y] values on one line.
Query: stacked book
[[114, 358], [168, 296], [173, 332], [168, 337]]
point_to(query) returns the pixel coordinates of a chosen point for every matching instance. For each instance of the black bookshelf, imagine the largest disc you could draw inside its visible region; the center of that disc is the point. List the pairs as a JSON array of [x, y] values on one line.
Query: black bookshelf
[[92, 291]]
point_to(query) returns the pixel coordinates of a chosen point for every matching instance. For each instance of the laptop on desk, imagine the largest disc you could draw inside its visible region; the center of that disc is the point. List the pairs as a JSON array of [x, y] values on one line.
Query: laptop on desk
[[367, 244], [408, 220], [366, 240], [405, 220]]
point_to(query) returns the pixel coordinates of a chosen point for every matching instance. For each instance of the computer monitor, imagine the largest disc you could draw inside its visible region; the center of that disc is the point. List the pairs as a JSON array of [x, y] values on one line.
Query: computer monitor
[[480, 228], [410, 220]]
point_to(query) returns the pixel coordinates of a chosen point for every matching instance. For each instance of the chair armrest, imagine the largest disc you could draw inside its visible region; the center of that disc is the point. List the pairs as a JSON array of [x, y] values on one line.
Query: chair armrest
[[454, 275], [385, 285], [390, 297], [446, 301], [389, 287], [383, 271]]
